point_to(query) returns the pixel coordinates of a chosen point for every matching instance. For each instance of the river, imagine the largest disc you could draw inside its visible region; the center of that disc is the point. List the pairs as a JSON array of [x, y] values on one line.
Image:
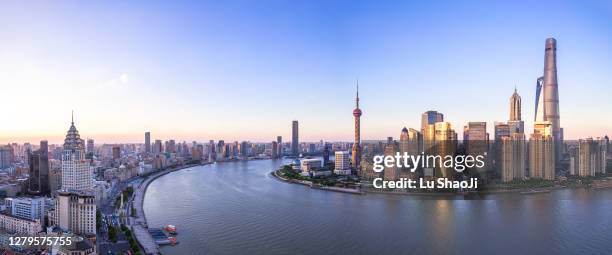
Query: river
[[239, 208]]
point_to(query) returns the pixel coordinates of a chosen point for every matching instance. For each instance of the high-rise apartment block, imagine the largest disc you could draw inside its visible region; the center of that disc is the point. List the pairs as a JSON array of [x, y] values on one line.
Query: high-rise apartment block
[[541, 152], [342, 163]]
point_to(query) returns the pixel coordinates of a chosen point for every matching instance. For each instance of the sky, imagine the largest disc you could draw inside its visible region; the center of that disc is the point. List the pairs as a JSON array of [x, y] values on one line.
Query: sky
[[243, 70]]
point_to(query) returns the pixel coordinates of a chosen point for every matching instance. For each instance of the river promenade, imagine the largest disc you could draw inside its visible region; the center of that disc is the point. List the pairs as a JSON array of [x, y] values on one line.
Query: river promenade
[[139, 223]]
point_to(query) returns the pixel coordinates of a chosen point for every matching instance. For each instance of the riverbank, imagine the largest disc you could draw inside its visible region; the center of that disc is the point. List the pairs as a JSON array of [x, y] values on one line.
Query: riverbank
[[139, 223], [314, 186], [597, 185], [242, 209]]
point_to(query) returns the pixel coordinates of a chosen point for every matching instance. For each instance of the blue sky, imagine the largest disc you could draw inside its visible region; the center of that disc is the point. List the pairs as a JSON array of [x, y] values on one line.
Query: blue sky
[[242, 70]]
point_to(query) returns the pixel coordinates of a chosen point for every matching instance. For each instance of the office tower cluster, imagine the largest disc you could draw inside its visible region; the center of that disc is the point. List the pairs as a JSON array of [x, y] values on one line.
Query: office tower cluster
[[516, 156]]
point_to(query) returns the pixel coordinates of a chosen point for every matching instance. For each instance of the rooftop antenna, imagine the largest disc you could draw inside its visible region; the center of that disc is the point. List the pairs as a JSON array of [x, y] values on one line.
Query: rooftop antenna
[[357, 98]]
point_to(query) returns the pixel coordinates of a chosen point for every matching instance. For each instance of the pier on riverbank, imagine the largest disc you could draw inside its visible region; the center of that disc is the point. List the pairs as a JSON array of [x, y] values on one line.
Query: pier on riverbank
[[139, 223]]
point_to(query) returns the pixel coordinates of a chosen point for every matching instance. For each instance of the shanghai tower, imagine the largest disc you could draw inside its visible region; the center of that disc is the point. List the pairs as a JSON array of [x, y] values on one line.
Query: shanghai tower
[[551, 93]]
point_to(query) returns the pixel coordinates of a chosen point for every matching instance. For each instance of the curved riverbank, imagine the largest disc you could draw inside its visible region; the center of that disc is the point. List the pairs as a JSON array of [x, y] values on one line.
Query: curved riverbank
[[313, 186], [139, 223], [239, 208], [518, 191]]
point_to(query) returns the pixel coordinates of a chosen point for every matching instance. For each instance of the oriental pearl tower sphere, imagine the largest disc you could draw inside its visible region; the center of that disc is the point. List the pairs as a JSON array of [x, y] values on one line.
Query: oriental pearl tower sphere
[[356, 153]]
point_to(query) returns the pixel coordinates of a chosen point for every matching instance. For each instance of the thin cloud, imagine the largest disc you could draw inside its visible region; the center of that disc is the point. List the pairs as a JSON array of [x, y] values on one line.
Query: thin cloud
[[124, 78]]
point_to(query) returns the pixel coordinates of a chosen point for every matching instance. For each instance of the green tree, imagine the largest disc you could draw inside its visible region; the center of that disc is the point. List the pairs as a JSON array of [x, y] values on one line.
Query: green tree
[[98, 219], [112, 234]]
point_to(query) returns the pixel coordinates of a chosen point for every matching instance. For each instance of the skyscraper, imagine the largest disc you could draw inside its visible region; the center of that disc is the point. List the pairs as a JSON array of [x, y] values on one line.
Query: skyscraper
[[446, 144], [295, 144], [325, 154], [147, 142], [515, 123], [356, 153], [512, 157], [342, 164], [221, 150], [274, 150], [430, 118], [404, 144], [244, 149], [415, 142], [591, 156], [212, 152], [6, 156], [501, 129], [157, 148], [38, 183], [77, 175], [510, 143], [551, 88], [279, 140], [551, 95], [477, 138], [90, 146], [171, 146], [539, 101], [541, 152], [515, 106], [428, 121], [116, 152], [391, 173], [607, 146]]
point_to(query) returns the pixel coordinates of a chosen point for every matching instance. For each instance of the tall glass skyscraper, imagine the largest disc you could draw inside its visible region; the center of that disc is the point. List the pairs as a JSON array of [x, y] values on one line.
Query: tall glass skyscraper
[[295, 144], [539, 105]]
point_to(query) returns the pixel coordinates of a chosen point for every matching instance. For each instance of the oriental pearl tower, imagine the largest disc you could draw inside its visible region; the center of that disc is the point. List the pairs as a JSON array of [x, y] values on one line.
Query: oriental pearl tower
[[356, 157]]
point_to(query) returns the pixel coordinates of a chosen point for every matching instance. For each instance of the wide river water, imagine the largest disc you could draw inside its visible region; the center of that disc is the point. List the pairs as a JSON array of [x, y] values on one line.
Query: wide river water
[[239, 208]]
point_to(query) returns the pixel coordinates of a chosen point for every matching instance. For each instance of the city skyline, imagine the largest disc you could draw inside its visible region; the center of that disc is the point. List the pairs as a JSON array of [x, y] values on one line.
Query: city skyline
[[124, 82]]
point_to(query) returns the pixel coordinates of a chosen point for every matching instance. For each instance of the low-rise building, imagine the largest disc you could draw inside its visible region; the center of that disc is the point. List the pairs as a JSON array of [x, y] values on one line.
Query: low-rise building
[[18, 225], [309, 164], [32, 208]]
